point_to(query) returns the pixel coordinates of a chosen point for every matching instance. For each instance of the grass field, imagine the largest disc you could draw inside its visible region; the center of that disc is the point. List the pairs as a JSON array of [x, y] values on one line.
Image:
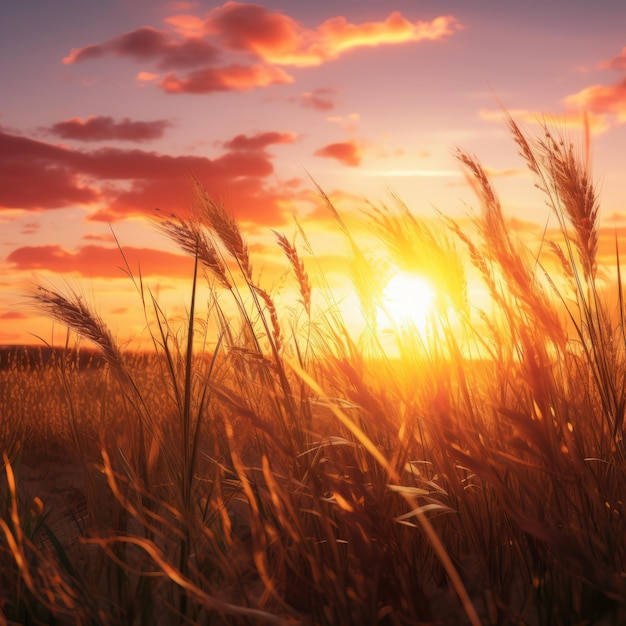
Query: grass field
[[273, 468]]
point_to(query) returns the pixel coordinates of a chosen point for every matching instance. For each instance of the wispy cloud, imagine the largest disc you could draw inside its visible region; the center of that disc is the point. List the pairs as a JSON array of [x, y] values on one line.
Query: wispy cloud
[[618, 62], [98, 261], [319, 99], [97, 237], [101, 128], [412, 173], [279, 39], [30, 228], [574, 117], [595, 107]]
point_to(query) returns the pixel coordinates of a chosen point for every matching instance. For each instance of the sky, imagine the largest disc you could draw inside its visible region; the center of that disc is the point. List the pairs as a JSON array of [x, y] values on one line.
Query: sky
[[109, 108]]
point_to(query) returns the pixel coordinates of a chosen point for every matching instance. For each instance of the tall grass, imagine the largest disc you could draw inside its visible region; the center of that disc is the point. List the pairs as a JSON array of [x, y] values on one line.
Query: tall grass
[[270, 467]]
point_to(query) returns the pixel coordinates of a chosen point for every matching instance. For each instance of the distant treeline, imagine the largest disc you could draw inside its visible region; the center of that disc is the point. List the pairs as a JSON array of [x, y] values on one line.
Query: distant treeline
[[41, 356]]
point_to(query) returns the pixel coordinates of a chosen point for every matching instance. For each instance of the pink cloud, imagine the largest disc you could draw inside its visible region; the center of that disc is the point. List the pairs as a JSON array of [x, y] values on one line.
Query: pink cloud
[[319, 99], [186, 24], [100, 128], [30, 228], [146, 77], [231, 78], [574, 116], [116, 183], [12, 315], [395, 29], [102, 238], [247, 31], [146, 44], [37, 175], [618, 62], [97, 261], [606, 243], [347, 152], [277, 38], [259, 141], [602, 99]]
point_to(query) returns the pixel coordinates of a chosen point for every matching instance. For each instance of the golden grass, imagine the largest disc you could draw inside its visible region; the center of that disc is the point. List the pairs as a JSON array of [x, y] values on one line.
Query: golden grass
[[294, 474]]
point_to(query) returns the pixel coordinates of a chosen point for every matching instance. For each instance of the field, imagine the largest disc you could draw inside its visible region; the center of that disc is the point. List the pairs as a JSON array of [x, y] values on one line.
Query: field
[[273, 468]]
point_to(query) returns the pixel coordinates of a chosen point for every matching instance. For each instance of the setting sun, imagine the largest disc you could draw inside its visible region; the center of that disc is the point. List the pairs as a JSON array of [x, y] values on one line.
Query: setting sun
[[407, 300]]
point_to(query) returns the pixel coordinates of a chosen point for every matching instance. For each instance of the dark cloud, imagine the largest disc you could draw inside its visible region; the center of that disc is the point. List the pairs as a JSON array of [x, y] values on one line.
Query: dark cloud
[[116, 183], [100, 128], [146, 44], [36, 175]]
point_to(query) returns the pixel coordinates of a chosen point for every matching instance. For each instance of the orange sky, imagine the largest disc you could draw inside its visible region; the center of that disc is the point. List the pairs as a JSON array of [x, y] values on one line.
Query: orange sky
[[108, 108]]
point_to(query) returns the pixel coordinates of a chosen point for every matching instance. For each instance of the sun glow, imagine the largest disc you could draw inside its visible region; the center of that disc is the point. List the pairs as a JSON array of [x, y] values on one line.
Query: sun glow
[[407, 300]]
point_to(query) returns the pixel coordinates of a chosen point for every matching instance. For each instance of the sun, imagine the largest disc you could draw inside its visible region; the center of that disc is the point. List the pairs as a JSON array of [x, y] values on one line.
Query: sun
[[407, 300]]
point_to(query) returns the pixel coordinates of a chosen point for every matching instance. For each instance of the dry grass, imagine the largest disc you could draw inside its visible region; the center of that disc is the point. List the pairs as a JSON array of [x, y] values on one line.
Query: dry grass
[[290, 473]]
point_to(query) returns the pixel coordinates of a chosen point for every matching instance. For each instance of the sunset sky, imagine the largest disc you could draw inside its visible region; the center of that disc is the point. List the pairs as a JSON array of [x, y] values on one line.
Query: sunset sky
[[107, 108]]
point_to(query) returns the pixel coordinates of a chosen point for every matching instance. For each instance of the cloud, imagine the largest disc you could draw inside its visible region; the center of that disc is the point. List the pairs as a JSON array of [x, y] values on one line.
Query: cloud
[[574, 116], [616, 216], [606, 244], [499, 173], [99, 262], [347, 152], [144, 78], [594, 107], [602, 100], [30, 228], [616, 63], [522, 226], [259, 141], [37, 175], [116, 183], [100, 128], [12, 315], [604, 103], [348, 123], [256, 43], [186, 24], [93, 237], [149, 44], [319, 99], [230, 78], [279, 39]]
